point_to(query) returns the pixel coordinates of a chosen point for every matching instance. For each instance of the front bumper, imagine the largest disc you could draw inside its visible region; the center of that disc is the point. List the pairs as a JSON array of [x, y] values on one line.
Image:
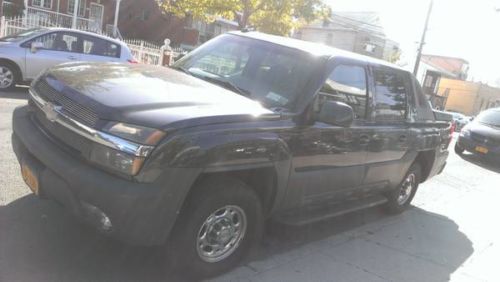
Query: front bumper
[[469, 144], [139, 213]]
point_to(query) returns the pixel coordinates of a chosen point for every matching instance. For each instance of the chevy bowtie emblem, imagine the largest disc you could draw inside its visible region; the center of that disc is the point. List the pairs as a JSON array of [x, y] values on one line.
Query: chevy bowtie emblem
[[51, 111]]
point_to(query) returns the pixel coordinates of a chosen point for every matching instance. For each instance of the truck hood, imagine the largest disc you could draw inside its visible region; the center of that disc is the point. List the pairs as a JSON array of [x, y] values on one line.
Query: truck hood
[[150, 96]]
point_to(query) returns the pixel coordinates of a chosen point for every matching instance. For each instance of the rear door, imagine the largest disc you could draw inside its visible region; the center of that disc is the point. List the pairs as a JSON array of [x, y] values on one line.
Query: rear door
[[99, 50], [58, 47], [389, 136]]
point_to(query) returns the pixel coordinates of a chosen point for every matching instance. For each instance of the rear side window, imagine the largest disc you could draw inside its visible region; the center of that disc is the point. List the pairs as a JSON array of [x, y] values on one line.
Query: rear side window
[[390, 95], [347, 84], [100, 47]]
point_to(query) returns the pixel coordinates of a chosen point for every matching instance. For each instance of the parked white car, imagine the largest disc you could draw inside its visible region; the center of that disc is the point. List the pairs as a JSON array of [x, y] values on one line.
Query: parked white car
[[26, 54]]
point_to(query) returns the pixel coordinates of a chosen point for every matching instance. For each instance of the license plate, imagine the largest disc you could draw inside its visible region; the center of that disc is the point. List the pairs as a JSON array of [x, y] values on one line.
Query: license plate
[[31, 178], [481, 149]]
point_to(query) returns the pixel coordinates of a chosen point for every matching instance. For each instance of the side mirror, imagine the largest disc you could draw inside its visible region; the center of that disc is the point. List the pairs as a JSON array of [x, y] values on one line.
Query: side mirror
[[336, 113], [35, 46]]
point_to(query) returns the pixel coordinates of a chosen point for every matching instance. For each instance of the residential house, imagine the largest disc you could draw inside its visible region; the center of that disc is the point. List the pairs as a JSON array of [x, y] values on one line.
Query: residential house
[[145, 20], [359, 32], [92, 14], [469, 98], [433, 68]]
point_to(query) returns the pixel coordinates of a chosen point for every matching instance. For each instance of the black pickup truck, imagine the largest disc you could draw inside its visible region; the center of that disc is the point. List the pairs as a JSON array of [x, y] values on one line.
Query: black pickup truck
[[246, 128]]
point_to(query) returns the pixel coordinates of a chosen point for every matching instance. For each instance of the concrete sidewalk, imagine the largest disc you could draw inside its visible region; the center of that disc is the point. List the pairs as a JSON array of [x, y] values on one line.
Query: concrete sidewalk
[[451, 234]]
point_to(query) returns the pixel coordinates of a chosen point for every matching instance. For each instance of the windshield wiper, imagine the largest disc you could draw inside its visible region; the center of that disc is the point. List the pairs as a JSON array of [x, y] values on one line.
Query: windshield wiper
[[227, 84], [181, 69], [224, 83]]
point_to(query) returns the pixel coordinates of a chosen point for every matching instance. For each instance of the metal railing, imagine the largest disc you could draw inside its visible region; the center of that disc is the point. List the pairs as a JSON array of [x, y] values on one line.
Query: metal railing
[[61, 20]]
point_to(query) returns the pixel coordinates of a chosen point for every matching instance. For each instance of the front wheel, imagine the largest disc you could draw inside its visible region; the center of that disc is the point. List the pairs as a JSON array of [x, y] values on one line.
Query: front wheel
[[459, 150], [220, 222], [401, 197], [8, 77]]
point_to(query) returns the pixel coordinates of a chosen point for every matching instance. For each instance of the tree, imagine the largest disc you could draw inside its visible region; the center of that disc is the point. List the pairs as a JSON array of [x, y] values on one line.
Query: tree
[[271, 16]]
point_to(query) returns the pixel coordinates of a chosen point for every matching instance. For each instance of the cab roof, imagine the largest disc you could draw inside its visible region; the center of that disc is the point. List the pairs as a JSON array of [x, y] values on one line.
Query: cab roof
[[313, 48]]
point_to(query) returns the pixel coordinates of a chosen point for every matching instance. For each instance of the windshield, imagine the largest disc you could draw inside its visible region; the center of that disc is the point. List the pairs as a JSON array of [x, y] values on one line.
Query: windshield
[[271, 74], [491, 117], [23, 35]]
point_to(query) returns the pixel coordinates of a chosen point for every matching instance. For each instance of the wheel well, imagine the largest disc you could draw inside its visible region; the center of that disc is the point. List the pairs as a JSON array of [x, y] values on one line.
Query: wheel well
[[17, 69], [261, 180], [426, 160]]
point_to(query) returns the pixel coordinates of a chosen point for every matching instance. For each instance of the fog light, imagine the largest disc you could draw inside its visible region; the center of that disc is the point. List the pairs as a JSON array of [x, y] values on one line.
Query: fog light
[[97, 217]]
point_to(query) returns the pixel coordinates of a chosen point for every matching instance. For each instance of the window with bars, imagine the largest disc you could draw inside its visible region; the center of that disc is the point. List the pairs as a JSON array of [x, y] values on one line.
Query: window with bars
[[42, 3], [81, 7]]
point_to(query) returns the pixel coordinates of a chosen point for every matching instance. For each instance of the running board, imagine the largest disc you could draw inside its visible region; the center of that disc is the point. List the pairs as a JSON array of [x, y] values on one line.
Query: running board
[[307, 216]]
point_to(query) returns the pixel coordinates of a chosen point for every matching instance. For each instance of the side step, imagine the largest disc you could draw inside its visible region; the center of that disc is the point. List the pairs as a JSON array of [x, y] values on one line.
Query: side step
[[314, 214]]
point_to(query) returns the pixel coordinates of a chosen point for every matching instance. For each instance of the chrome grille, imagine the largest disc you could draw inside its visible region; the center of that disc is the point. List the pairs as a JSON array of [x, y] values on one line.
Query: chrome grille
[[80, 112]]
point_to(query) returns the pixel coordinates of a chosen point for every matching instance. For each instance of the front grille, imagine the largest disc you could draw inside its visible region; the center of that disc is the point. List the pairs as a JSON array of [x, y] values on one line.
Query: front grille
[[74, 143], [478, 137], [484, 140], [75, 110]]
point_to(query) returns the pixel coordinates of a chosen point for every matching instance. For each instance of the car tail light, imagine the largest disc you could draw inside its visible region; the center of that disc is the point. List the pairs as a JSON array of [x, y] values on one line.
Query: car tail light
[[133, 61], [453, 127]]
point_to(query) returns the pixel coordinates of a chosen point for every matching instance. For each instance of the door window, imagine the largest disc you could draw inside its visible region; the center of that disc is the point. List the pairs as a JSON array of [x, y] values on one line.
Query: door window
[[100, 47], [390, 94], [347, 84], [58, 41]]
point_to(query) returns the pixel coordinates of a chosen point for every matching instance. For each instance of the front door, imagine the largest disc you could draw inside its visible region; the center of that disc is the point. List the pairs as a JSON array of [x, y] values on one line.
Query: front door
[[387, 152], [58, 47], [328, 160], [95, 16]]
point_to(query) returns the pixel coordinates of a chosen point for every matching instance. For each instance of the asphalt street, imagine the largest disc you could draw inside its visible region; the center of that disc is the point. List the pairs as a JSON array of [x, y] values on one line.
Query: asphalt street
[[451, 233]]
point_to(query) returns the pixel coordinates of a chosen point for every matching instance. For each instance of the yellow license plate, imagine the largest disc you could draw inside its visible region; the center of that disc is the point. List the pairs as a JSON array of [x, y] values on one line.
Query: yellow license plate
[[30, 178], [481, 149]]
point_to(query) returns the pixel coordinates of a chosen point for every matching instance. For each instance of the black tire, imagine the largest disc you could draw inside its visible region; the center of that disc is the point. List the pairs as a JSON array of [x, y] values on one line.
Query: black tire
[[397, 205], [212, 195], [459, 150], [14, 75]]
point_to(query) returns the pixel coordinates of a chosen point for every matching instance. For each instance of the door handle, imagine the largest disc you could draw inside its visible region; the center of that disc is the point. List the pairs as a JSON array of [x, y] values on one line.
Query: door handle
[[364, 139], [402, 139]]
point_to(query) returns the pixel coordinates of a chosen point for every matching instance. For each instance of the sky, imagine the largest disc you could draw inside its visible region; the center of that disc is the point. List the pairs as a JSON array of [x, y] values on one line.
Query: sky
[[469, 29]]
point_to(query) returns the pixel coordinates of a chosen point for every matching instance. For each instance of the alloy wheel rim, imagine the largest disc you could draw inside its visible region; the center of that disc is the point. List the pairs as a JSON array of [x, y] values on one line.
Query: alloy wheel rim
[[406, 189], [6, 77], [221, 233]]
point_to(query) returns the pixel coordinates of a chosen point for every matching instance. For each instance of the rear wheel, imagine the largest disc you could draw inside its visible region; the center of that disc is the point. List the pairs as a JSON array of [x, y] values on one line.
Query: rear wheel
[[401, 197], [216, 228], [459, 150], [8, 77]]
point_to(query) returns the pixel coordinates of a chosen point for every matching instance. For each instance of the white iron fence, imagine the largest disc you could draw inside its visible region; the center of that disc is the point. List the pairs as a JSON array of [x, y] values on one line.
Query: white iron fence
[[150, 53], [145, 52]]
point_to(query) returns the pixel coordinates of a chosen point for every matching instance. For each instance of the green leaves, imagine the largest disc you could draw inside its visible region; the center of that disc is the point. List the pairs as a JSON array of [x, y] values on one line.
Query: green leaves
[[271, 16]]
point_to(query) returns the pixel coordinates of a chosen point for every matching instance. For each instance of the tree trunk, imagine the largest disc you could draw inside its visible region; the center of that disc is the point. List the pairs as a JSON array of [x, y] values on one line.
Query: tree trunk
[[243, 21]]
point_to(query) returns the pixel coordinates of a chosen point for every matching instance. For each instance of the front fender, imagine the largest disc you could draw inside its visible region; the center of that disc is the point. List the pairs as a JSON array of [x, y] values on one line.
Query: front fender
[[223, 152]]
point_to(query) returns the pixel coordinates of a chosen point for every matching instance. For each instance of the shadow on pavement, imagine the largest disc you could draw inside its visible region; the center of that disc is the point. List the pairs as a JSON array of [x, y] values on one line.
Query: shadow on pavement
[[17, 93], [39, 241], [489, 164]]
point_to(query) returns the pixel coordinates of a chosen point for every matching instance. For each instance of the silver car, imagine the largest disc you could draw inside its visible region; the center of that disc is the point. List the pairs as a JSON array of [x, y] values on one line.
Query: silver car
[[26, 54]]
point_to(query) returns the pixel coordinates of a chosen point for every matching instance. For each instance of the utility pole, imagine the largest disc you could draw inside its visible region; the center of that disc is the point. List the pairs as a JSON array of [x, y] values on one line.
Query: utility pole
[[422, 41], [115, 23]]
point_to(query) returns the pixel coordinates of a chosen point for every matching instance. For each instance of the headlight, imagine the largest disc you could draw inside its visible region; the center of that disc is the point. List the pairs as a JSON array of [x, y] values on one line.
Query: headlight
[[116, 160], [135, 133], [122, 160]]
